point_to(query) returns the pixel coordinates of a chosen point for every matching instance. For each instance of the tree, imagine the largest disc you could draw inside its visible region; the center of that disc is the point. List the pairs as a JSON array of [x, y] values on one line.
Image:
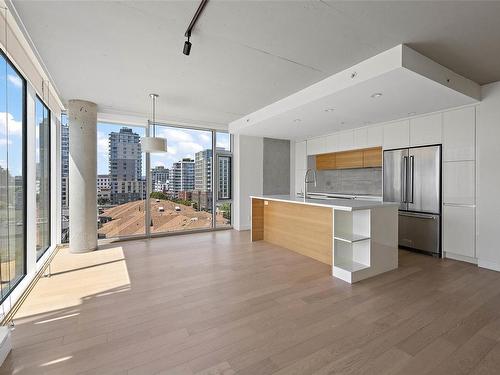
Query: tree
[[102, 201], [158, 195], [225, 208]]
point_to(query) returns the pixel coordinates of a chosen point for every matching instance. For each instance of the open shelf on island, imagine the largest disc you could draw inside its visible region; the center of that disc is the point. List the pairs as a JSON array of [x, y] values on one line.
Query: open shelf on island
[[350, 237], [349, 265]]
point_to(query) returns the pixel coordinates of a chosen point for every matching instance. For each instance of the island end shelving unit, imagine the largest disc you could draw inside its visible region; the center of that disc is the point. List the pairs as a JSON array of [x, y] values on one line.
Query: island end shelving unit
[[362, 248], [357, 238]]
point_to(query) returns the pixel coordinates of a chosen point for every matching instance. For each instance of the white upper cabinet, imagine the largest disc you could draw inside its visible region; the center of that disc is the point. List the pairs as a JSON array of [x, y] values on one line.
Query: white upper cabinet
[[426, 130], [459, 182], [374, 136], [346, 140], [459, 134], [397, 134], [300, 155], [360, 138], [316, 146], [332, 142]]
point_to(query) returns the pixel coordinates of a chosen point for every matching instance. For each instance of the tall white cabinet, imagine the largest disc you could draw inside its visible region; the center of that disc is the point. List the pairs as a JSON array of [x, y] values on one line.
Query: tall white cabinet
[[459, 184]]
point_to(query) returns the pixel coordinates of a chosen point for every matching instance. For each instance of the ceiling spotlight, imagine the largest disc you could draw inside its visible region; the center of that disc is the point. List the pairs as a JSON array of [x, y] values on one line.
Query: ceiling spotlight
[[297, 120], [329, 109], [376, 95], [187, 46]]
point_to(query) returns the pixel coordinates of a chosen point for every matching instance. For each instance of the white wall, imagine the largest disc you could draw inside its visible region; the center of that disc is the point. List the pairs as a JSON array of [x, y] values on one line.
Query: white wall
[[488, 178], [248, 177]]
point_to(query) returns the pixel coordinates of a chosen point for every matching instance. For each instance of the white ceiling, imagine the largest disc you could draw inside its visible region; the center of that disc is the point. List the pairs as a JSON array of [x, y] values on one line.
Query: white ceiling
[[245, 54], [405, 94], [395, 84]]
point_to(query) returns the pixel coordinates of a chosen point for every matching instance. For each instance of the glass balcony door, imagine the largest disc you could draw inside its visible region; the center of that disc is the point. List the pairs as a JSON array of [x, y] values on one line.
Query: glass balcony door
[[181, 196]]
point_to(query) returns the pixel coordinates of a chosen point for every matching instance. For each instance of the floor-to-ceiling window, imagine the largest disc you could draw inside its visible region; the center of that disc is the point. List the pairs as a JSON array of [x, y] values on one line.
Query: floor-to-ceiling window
[[42, 157], [121, 181], [188, 183], [12, 176]]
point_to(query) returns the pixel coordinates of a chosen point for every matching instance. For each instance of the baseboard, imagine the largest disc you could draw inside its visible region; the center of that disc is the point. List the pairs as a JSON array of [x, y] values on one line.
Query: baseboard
[[462, 258], [5, 343], [489, 265], [242, 227]]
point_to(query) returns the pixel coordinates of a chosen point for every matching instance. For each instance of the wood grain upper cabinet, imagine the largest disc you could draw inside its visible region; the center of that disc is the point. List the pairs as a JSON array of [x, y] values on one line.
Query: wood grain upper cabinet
[[364, 158], [372, 157], [349, 159], [326, 161]]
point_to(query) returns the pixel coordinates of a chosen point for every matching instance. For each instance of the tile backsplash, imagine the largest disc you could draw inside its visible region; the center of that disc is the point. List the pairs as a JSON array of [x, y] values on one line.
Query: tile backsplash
[[347, 181]]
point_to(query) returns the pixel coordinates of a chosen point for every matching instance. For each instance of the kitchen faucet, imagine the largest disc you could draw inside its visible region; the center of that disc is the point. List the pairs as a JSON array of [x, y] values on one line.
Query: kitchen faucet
[[307, 181]]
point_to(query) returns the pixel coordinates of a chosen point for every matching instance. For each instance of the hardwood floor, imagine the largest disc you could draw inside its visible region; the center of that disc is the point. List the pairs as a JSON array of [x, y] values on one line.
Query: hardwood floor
[[216, 303]]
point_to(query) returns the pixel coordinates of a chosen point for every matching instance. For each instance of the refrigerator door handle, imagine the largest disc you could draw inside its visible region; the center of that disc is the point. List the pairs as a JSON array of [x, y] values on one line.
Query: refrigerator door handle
[[419, 215], [403, 180], [410, 184]]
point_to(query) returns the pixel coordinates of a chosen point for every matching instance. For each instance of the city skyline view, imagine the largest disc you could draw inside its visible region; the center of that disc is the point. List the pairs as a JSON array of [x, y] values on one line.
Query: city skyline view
[[181, 143], [182, 177]]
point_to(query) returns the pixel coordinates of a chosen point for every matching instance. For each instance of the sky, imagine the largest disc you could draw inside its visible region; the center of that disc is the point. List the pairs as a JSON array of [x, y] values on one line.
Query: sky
[[11, 110]]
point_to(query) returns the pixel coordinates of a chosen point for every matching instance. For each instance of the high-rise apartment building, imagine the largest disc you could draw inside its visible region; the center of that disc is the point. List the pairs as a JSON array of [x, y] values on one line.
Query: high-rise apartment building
[[64, 161], [103, 181], [160, 177], [203, 170], [203, 177], [182, 178], [125, 167], [224, 175]]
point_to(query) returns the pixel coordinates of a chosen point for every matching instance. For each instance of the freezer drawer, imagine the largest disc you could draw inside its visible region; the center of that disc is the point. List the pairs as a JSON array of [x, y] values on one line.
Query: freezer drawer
[[420, 231]]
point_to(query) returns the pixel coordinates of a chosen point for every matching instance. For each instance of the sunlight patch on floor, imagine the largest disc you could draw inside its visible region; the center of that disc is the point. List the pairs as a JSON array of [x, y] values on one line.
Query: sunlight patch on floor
[[74, 278]]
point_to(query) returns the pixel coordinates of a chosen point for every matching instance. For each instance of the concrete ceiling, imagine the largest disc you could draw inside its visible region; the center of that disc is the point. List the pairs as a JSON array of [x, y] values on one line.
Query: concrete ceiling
[[245, 54]]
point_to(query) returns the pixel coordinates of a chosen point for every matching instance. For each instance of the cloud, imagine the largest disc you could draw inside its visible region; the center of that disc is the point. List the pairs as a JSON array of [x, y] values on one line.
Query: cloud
[[188, 149], [157, 163], [102, 143], [174, 135], [223, 143], [205, 138], [15, 126], [15, 80]]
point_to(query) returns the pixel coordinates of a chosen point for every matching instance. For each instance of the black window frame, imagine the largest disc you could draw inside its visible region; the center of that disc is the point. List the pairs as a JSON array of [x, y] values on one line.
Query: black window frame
[[49, 117], [24, 169]]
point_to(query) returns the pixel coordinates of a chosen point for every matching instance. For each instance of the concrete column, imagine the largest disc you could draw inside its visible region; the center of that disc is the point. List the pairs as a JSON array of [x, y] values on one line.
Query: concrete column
[[82, 118]]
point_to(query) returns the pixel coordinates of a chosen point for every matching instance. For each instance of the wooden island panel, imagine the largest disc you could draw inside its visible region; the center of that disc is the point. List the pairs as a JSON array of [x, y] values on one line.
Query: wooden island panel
[[307, 230], [257, 219]]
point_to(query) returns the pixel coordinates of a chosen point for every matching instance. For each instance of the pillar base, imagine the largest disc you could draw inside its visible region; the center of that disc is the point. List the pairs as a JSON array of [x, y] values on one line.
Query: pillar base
[[81, 251]]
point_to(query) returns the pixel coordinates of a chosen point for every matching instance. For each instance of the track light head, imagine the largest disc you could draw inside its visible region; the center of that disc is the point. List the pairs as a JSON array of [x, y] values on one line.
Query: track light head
[[187, 47]]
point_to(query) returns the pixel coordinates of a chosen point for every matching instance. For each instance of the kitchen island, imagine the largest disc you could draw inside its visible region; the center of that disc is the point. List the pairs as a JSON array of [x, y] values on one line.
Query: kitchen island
[[358, 238]]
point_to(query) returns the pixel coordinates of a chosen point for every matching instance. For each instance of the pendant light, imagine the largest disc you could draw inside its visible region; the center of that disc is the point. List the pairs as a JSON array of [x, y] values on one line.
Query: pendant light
[[153, 144]]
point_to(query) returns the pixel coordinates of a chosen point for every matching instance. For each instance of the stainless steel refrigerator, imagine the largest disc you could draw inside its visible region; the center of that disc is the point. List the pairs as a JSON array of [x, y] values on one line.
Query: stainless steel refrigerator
[[412, 177]]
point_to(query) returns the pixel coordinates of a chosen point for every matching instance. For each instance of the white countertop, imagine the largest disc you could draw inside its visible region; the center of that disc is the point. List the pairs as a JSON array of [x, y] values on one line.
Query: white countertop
[[337, 204]]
